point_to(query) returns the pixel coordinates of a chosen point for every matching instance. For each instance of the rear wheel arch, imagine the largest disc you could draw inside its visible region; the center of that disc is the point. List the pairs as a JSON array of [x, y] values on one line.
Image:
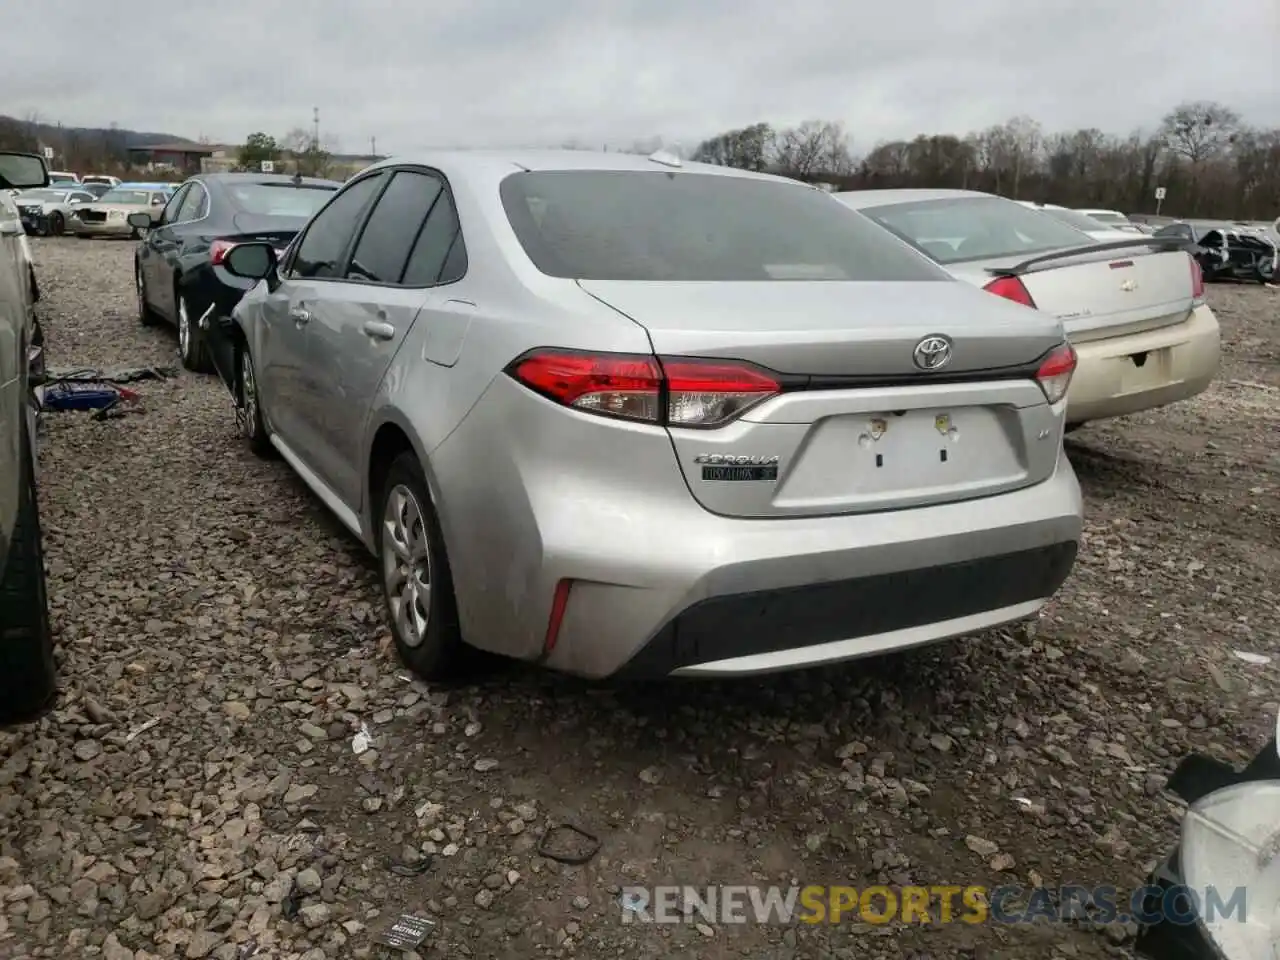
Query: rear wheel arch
[[390, 440]]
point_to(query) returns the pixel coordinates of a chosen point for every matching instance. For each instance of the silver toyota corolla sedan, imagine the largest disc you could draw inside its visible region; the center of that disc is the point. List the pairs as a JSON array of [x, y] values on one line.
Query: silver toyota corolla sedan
[[621, 415]]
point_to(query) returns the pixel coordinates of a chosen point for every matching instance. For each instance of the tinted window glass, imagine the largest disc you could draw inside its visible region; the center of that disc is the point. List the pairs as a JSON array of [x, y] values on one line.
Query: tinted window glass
[[191, 205], [326, 240], [175, 204], [1072, 219], [139, 197], [638, 225], [432, 248], [388, 236], [280, 199], [455, 264], [957, 229]]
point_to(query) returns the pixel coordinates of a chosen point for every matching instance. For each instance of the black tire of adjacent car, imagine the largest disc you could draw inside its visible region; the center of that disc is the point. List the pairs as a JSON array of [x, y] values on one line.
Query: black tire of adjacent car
[[442, 653], [146, 316], [56, 224], [28, 677], [194, 357], [255, 428], [1265, 271]]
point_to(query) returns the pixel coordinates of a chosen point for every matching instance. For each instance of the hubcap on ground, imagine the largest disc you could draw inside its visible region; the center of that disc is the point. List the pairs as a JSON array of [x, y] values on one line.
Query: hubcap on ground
[[406, 564], [249, 389], [184, 327]]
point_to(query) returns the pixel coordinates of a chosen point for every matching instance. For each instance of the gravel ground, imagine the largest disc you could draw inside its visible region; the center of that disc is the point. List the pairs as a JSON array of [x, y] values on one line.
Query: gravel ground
[[197, 794]]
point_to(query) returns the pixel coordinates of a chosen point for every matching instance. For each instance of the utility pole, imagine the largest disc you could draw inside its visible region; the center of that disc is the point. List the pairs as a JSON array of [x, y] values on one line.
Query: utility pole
[[373, 148], [315, 139]]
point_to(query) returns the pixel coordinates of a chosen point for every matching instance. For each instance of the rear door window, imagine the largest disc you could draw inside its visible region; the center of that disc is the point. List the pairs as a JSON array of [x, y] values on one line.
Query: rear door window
[[439, 255], [388, 236]]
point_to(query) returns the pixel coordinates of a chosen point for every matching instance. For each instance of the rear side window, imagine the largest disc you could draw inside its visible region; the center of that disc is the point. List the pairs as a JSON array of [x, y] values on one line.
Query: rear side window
[[329, 234], [695, 227], [438, 253], [960, 229], [383, 249]]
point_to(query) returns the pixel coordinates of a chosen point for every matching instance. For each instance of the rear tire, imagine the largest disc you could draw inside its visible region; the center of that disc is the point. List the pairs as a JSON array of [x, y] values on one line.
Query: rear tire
[[411, 556], [253, 424], [57, 224], [190, 339], [28, 676]]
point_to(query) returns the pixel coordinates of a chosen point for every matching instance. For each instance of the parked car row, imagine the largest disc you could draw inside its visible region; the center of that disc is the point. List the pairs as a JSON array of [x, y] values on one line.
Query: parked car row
[[88, 210]]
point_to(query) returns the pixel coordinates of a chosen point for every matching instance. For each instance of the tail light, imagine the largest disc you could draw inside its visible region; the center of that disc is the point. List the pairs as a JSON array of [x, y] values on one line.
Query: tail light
[[1197, 279], [1054, 375], [1011, 288], [218, 251], [677, 392]]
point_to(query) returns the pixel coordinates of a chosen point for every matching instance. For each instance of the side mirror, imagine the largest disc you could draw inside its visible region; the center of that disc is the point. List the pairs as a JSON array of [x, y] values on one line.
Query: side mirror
[[22, 171], [252, 261], [142, 221]]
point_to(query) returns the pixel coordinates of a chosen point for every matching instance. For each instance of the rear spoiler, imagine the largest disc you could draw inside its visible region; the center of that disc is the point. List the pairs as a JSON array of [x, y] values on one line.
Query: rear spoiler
[[1038, 263]]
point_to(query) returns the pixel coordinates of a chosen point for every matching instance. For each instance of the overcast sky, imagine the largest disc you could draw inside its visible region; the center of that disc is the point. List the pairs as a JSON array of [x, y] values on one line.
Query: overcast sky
[[502, 72]]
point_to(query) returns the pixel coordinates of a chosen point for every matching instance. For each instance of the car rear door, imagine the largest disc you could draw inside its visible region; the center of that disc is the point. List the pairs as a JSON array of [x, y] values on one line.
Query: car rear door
[[285, 318], [360, 324]]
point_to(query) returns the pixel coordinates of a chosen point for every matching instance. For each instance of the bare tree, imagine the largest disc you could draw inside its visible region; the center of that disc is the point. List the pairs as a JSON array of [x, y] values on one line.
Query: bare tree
[[813, 147], [1200, 131], [749, 148]]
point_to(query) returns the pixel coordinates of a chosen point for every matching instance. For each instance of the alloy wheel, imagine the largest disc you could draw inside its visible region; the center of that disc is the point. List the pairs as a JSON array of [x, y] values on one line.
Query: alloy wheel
[[406, 565], [184, 327], [249, 395]]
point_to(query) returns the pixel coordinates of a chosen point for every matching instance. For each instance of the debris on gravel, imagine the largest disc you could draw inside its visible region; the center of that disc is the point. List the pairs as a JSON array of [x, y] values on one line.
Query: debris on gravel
[[198, 794]]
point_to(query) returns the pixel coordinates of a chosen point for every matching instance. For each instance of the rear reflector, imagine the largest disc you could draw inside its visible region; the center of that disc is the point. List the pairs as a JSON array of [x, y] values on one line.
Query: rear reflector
[[559, 602], [677, 391], [1197, 279], [1011, 288], [1054, 375]]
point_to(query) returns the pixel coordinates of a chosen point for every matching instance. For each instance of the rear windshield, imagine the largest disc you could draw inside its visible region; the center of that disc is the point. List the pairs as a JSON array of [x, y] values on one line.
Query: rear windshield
[[1073, 219], [960, 229], [1104, 217], [280, 199], [42, 195], [127, 196], [702, 228]]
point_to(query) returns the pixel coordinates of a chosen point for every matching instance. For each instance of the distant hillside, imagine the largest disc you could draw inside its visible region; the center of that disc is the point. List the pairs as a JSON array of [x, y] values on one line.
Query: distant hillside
[[49, 133]]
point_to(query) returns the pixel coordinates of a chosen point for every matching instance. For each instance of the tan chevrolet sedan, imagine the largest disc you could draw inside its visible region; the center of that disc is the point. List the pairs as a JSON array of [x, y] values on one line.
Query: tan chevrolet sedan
[[108, 216]]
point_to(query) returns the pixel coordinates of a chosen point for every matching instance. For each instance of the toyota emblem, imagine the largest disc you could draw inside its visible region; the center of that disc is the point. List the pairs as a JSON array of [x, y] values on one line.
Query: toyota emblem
[[932, 353]]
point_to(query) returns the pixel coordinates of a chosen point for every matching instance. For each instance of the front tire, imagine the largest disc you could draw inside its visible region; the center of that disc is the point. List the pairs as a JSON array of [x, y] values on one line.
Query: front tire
[[28, 677], [57, 224], [146, 316], [417, 585], [190, 339]]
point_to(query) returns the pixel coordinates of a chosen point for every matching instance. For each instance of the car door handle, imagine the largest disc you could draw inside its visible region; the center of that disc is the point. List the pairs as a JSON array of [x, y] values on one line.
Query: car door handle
[[300, 316], [379, 330]]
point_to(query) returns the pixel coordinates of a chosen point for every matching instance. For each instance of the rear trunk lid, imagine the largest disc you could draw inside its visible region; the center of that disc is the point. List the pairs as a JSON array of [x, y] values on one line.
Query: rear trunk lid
[[859, 427], [1101, 293]]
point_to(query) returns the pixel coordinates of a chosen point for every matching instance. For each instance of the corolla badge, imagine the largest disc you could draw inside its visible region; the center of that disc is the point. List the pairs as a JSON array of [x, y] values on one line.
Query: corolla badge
[[932, 353]]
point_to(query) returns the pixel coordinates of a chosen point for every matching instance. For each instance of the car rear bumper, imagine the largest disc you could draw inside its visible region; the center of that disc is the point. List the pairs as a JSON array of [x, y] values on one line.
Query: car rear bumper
[[1180, 362], [659, 585], [734, 597]]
